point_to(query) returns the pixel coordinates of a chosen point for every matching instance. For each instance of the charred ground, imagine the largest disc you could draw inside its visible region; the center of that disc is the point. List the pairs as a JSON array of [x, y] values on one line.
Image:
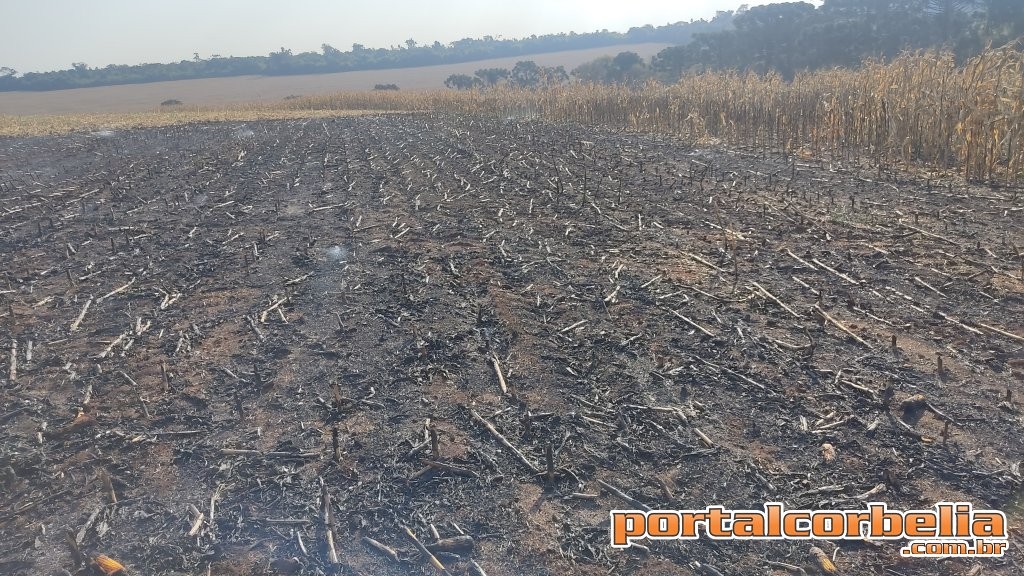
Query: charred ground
[[195, 311]]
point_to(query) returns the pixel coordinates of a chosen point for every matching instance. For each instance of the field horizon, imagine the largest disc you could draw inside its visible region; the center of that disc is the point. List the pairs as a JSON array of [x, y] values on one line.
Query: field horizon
[[262, 89]]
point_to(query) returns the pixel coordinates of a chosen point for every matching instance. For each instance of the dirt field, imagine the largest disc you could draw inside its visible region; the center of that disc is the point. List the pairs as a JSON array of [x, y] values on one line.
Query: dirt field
[[233, 343], [217, 91]]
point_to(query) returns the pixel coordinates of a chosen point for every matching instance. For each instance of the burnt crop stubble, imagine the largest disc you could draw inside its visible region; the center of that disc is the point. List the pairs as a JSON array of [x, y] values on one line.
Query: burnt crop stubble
[[414, 343]]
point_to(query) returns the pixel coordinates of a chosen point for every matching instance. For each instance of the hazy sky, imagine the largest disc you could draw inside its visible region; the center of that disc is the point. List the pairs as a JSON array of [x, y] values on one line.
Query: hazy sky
[[40, 35]]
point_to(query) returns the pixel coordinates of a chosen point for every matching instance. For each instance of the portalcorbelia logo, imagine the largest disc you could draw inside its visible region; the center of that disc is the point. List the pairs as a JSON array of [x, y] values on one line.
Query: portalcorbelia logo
[[947, 529]]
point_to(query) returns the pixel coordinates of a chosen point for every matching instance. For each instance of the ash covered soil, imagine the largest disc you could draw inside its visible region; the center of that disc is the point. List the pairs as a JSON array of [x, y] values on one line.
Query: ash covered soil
[[261, 338]]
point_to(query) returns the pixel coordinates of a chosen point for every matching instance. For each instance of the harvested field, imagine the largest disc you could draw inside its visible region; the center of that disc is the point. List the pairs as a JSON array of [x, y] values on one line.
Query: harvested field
[[231, 345]]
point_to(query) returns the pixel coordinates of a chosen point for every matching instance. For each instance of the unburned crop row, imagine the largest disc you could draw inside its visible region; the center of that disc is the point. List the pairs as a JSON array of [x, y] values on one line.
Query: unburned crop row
[[920, 108]]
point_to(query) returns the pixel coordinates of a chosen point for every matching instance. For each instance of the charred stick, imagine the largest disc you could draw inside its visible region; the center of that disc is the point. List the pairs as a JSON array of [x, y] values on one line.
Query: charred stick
[[334, 444], [501, 376], [479, 570], [927, 234], [13, 372], [908, 429], [197, 522], [1002, 332], [110, 347], [497, 435], [273, 306], [706, 332], [81, 315], [929, 286], [166, 378], [956, 322], [835, 272], [386, 550], [788, 567], [423, 550], [435, 449], [109, 487], [704, 438], [732, 372], [116, 291], [328, 523], [576, 325], [549, 456], [456, 545], [623, 496], [450, 468], [702, 261], [772, 297], [825, 316], [76, 552]]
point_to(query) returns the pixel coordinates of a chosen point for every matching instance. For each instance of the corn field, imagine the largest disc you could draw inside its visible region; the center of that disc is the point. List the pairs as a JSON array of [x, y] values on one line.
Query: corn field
[[920, 108]]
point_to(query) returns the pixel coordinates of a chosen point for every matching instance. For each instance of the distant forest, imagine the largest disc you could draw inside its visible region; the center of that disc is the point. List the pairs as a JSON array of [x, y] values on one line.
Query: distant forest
[[331, 59], [784, 38], [794, 36]]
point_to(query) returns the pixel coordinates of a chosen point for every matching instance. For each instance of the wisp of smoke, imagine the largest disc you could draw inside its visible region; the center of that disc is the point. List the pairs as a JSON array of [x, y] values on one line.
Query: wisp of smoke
[[337, 254]]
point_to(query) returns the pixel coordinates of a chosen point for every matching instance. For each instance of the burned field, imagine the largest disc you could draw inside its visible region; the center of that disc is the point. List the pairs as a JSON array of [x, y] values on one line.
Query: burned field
[[226, 347]]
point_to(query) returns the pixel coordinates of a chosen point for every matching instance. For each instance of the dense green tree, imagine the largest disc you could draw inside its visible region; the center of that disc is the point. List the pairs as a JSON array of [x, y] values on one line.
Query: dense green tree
[[627, 60], [462, 82], [491, 76], [794, 36], [8, 78], [1004, 20], [526, 74], [624, 68], [769, 34], [596, 71], [553, 75]]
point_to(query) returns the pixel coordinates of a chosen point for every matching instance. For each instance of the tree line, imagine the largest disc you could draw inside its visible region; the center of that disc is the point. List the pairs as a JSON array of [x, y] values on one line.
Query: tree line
[[525, 74], [360, 57], [788, 37], [793, 36], [785, 38], [625, 67]]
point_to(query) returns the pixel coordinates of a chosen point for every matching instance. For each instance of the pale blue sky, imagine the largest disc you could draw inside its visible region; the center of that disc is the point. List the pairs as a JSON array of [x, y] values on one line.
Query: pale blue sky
[[40, 35]]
